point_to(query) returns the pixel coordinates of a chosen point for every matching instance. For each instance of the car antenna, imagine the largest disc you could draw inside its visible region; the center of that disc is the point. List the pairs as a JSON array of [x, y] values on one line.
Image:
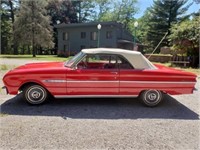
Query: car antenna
[[158, 44]]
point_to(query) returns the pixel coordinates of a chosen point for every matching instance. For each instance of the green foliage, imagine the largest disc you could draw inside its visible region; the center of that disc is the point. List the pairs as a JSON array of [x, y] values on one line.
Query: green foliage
[[68, 11], [197, 1], [86, 11], [3, 67], [142, 28], [7, 11], [161, 17], [122, 11], [6, 34], [63, 11], [32, 25], [185, 36], [3, 114]]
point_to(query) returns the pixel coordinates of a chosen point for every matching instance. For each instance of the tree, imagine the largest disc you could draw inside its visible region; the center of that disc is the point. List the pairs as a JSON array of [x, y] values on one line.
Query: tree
[[197, 1], [142, 29], [185, 36], [6, 31], [64, 11], [12, 3], [122, 11], [85, 10], [102, 8], [32, 25], [8, 9], [161, 17]]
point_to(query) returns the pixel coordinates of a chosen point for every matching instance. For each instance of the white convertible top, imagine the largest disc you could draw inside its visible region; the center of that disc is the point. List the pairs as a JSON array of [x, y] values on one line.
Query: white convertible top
[[137, 60]]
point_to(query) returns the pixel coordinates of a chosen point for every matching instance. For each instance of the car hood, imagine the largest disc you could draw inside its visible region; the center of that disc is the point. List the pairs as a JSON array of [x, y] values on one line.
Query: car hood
[[42, 65]]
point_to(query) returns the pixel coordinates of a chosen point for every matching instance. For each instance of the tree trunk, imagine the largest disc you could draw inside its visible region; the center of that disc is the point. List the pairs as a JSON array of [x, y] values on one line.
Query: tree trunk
[[33, 30], [33, 46], [29, 50], [15, 47], [23, 49]]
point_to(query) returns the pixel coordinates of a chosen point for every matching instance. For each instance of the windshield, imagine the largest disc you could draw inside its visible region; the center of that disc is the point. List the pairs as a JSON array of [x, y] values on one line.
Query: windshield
[[71, 61]]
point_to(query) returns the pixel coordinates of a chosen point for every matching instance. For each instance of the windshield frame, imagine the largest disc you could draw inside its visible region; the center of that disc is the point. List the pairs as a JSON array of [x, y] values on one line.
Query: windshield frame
[[74, 60]]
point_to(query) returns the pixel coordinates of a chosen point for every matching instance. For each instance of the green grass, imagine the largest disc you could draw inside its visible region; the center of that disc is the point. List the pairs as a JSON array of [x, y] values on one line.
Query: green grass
[[4, 67], [189, 69], [38, 57], [3, 114], [195, 71], [158, 54]]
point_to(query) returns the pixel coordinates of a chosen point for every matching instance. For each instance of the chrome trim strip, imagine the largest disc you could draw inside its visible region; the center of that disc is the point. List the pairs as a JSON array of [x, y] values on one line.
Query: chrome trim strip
[[158, 82], [117, 81], [94, 96], [55, 81], [144, 82], [88, 81]]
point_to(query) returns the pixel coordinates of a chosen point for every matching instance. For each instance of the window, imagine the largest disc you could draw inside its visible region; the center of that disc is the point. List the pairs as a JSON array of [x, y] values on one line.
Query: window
[[83, 35], [99, 61], [93, 36], [123, 63], [109, 34], [65, 36]]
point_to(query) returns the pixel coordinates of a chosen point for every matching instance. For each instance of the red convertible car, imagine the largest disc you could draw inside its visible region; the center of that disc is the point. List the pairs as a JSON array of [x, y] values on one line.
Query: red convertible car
[[99, 72]]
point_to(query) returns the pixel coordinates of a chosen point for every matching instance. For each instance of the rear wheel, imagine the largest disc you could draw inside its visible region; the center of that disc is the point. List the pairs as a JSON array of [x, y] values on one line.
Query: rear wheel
[[35, 94], [151, 98]]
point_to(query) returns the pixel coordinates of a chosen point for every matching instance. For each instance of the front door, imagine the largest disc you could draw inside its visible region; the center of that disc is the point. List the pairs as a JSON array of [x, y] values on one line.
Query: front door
[[96, 74]]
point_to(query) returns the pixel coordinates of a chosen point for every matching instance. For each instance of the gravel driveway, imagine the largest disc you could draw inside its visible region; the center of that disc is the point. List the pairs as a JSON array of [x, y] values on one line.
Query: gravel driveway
[[100, 123]]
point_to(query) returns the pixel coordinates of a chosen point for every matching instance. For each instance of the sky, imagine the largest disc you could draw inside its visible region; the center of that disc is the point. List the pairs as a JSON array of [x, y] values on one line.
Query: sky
[[143, 4]]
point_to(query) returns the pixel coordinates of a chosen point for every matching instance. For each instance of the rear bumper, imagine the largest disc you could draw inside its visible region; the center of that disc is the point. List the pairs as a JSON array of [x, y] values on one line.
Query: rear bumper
[[5, 88]]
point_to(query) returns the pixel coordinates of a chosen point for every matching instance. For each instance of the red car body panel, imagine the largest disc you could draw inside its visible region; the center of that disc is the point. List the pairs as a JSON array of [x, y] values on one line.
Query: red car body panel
[[62, 81]]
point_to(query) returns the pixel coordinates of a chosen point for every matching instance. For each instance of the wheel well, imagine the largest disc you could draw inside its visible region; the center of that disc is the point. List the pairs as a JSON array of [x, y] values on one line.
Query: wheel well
[[29, 83], [32, 83], [163, 92]]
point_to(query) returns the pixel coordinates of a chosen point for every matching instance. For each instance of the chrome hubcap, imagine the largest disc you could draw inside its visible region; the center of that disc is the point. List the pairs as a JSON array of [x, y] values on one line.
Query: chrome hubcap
[[152, 96], [35, 94]]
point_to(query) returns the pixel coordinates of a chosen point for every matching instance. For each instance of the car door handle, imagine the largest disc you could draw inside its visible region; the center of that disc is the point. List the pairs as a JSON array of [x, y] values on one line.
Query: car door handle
[[114, 72]]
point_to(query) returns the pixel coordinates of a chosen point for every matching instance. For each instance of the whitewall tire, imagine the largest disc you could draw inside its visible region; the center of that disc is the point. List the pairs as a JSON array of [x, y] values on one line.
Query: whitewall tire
[[35, 94], [151, 98]]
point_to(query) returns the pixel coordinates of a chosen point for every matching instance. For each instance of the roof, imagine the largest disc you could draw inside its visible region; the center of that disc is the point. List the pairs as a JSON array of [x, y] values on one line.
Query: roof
[[63, 25], [134, 57], [110, 51]]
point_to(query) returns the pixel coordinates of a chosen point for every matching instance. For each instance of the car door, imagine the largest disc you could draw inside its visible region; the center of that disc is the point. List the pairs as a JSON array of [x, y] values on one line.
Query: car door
[[128, 78], [96, 74]]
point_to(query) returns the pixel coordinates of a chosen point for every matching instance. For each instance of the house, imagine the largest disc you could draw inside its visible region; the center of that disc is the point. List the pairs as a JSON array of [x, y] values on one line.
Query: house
[[74, 37]]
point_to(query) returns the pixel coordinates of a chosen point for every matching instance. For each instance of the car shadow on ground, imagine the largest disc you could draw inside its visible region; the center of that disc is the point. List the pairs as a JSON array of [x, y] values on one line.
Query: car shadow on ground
[[100, 108]]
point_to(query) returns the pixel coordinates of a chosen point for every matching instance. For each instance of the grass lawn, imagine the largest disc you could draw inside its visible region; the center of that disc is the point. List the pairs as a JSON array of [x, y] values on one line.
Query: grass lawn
[[189, 69], [195, 71], [38, 57]]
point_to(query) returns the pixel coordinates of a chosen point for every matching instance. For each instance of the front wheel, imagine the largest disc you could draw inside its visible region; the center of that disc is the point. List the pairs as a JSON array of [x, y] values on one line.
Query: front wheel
[[151, 98], [35, 94]]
